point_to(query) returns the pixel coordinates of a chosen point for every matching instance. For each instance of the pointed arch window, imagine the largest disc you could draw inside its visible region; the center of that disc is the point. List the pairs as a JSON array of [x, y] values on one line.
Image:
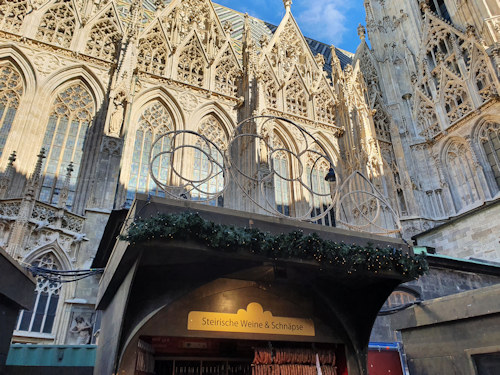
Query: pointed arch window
[[282, 185], [41, 318], [72, 113], [316, 171], [402, 206], [11, 90], [427, 121], [296, 100], [154, 121], [270, 90], [461, 171], [325, 108], [213, 131], [226, 74], [490, 140], [382, 122], [104, 37], [191, 65], [456, 101], [484, 80], [152, 55], [12, 14], [57, 25]]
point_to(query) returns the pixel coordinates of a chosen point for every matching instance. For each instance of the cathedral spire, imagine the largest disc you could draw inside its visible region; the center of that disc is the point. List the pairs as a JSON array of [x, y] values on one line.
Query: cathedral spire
[[34, 181], [6, 178], [135, 22], [63, 196], [288, 5]]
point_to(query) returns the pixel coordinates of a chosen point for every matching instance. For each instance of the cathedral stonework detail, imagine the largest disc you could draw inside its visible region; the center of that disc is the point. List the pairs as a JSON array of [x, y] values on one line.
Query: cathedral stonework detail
[[87, 88]]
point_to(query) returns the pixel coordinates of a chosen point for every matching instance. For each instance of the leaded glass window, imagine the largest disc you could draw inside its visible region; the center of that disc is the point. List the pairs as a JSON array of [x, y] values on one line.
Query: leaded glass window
[[11, 90], [154, 121], [203, 166], [461, 171], [321, 200], [41, 318], [490, 140], [282, 187], [71, 115], [57, 25]]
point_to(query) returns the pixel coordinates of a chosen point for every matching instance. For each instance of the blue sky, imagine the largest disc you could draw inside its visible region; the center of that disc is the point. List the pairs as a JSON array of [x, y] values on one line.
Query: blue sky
[[329, 21]]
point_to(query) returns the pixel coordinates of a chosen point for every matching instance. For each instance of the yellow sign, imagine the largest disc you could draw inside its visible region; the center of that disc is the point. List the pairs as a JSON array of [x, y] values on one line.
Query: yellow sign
[[252, 320]]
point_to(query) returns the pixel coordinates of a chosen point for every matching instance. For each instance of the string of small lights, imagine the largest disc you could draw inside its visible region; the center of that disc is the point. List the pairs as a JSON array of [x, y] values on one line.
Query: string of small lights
[[297, 244]]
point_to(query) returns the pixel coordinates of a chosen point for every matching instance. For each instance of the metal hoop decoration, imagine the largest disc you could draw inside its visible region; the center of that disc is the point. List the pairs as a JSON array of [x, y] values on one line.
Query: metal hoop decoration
[[255, 181], [264, 177], [349, 199], [188, 184]]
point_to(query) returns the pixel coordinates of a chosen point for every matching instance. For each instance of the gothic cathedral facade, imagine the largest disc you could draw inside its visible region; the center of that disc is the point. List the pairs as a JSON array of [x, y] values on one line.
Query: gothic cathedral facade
[[86, 87]]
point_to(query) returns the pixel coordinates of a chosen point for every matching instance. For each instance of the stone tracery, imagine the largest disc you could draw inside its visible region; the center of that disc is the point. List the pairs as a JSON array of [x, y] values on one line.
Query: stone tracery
[[325, 106], [489, 138], [58, 25], [270, 89], [12, 14], [226, 74], [456, 101], [41, 318], [483, 80], [208, 184], [454, 65], [11, 90], [154, 121], [71, 115], [296, 98], [450, 66], [191, 65], [461, 171], [104, 37], [153, 52]]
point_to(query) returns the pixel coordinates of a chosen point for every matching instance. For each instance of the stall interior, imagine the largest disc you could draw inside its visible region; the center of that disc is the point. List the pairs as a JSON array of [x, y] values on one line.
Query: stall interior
[[199, 356]]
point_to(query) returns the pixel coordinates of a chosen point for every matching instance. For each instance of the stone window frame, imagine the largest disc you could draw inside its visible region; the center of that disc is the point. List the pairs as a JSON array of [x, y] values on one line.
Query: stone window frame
[[11, 95], [216, 133], [140, 149], [51, 185]]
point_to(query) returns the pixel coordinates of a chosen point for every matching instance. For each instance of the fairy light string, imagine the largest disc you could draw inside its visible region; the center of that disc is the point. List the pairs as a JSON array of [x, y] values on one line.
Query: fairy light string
[[294, 245]]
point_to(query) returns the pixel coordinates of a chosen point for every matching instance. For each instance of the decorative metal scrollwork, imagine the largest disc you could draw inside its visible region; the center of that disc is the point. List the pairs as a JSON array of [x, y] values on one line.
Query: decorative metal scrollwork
[[251, 166], [256, 183], [180, 143], [361, 207]]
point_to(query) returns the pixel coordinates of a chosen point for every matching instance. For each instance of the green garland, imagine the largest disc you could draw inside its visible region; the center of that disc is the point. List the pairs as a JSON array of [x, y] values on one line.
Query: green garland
[[294, 245]]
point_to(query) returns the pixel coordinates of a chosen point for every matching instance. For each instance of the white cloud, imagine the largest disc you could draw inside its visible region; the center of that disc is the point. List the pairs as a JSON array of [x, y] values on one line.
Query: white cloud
[[323, 20]]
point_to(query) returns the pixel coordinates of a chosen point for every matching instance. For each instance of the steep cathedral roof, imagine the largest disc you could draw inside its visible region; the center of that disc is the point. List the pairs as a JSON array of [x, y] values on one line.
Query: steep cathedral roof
[[237, 19], [260, 28]]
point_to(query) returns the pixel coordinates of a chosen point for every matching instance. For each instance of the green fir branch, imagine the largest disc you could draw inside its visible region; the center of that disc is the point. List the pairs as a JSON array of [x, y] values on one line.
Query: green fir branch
[[293, 245]]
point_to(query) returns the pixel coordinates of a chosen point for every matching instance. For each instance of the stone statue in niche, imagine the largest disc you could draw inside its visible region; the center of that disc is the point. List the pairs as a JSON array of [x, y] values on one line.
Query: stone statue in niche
[[116, 119], [81, 331]]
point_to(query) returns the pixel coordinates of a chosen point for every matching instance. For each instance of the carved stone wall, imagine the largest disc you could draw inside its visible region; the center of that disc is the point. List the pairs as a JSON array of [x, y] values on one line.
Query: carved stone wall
[[434, 71], [391, 111]]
